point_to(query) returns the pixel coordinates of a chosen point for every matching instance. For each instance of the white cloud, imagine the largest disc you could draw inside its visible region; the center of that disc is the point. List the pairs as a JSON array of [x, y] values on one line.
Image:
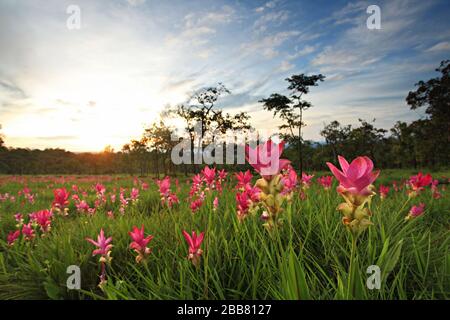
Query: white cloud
[[441, 46], [136, 2], [272, 18], [267, 45]]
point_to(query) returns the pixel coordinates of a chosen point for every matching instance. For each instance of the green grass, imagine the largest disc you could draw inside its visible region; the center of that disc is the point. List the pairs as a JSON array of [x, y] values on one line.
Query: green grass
[[307, 258]]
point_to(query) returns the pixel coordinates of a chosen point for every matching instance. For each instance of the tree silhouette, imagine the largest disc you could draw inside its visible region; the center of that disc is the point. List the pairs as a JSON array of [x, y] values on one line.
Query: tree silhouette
[[286, 107], [435, 96]]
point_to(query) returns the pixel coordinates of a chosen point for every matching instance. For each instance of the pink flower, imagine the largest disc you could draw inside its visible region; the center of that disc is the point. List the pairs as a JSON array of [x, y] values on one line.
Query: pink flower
[[100, 189], [325, 182], [12, 237], [209, 174], [222, 174], [384, 190], [265, 158], [356, 177], [253, 193], [243, 204], [61, 198], [289, 181], [134, 194], [196, 204], [216, 203], [416, 211], [27, 231], [306, 179], [140, 242], [18, 217], [144, 186], [164, 186], [194, 243], [435, 191], [103, 244], [82, 206], [172, 199], [419, 181], [243, 178], [43, 219]]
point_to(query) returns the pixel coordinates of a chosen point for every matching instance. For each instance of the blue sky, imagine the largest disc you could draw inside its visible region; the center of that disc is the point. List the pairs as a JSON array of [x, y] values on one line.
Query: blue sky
[[84, 89]]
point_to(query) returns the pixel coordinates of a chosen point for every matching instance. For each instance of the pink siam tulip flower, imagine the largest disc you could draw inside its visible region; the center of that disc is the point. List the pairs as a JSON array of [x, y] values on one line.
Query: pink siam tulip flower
[[415, 211], [104, 246], [134, 194], [144, 186], [82, 206], [113, 198], [384, 191], [209, 175], [43, 219], [306, 180], [194, 243], [140, 242], [355, 186], [355, 178], [253, 193], [395, 186], [243, 205], [435, 191], [172, 199], [216, 203], [61, 198], [222, 174], [325, 182], [12, 237], [104, 250], [265, 159], [289, 181], [195, 205], [164, 186], [418, 183], [27, 231], [19, 218], [100, 189], [110, 215], [244, 179]]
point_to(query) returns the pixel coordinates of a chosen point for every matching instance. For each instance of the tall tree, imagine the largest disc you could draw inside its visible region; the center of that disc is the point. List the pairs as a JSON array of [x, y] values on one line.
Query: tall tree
[[435, 96], [336, 136], [290, 109]]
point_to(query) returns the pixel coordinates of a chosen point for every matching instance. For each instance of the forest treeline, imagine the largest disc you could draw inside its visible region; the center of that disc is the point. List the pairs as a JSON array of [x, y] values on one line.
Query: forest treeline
[[418, 144]]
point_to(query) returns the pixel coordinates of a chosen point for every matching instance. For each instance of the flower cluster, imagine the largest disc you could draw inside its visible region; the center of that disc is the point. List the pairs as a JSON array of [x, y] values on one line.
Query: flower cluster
[[167, 197], [265, 159]]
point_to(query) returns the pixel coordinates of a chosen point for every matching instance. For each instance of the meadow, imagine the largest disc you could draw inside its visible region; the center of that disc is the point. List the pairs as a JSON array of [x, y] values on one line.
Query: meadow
[[307, 253]]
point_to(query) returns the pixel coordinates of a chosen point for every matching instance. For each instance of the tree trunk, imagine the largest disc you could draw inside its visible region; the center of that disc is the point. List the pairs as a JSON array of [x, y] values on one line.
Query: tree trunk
[[300, 160]]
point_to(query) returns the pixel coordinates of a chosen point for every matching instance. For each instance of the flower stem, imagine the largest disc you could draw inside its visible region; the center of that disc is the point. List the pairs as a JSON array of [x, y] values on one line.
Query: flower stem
[[351, 272]]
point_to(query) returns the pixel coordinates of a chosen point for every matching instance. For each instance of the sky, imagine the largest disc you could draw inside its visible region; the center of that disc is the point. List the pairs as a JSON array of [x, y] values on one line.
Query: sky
[[82, 89]]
